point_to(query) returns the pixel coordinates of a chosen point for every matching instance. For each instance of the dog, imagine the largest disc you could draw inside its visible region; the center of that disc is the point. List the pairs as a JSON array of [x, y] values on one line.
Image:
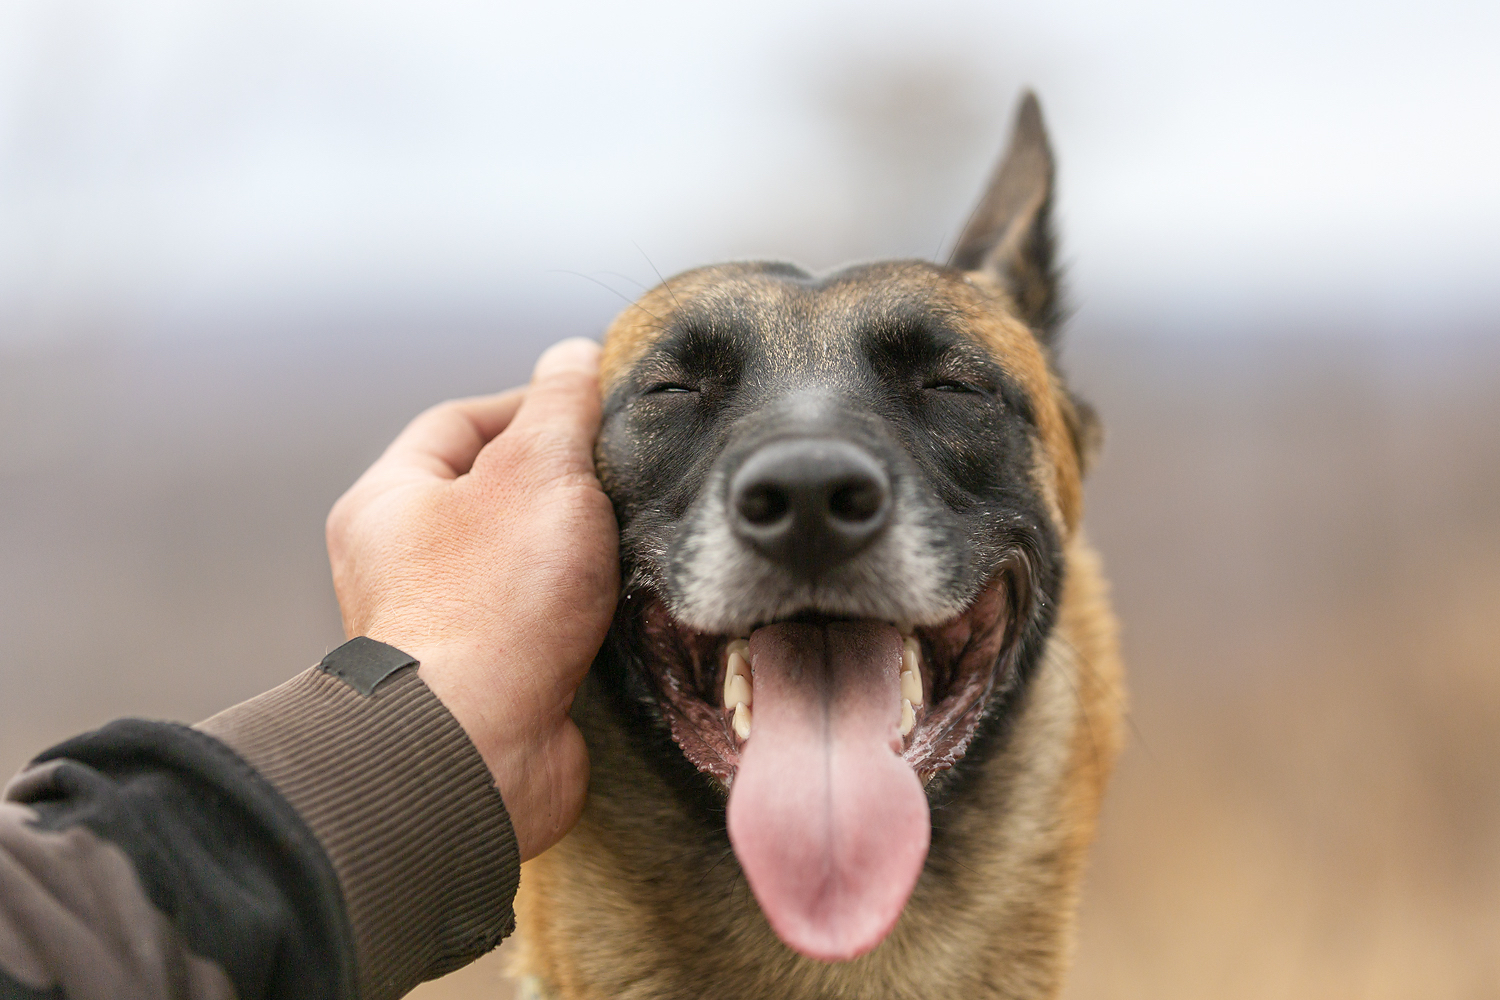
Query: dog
[[854, 718]]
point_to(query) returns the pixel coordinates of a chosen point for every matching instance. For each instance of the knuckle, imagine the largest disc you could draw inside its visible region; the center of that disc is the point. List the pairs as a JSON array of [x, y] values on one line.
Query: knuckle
[[336, 525], [440, 415], [571, 381], [444, 408]]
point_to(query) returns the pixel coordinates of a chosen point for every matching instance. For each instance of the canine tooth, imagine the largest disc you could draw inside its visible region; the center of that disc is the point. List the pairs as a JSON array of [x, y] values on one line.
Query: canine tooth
[[911, 687], [911, 655], [742, 721], [908, 717], [737, 669], [741, 646], [737, 690]]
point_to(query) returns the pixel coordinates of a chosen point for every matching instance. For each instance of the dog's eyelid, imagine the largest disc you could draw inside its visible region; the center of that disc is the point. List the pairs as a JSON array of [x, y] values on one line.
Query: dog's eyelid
[[659, 378], [961, 382], [950, 385]]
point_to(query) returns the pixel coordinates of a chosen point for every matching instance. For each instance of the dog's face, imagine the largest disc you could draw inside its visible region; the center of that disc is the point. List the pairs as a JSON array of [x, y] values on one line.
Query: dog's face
[[843, 501]]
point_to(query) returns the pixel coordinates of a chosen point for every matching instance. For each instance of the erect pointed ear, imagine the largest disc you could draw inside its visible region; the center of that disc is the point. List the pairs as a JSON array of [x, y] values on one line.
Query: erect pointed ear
[[1010, 233]]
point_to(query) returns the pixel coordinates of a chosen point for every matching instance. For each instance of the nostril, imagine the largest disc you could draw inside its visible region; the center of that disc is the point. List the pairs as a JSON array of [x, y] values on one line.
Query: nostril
[[809, 503], [763, 504], [856, 502]]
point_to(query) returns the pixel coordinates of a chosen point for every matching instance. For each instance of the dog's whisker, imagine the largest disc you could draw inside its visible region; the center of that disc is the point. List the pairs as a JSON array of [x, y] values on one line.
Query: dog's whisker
[[950, 859], [937, 254], [664, 283], [722, 858], [610, 288], [625, 277]]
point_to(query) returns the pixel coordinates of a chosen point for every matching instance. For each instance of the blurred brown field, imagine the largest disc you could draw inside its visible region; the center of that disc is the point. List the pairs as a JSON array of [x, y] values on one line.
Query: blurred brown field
[[1307, 563], [1303, 532]]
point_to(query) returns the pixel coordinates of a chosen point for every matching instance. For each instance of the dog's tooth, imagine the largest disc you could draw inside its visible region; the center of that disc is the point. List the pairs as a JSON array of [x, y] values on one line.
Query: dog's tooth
[[737, 690], [908, 717], [737, 669], [742, 721], [911, 687], [911, 655], [741, 646]]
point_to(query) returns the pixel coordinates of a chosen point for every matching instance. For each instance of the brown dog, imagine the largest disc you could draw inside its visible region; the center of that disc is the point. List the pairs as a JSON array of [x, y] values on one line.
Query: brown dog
[[851, 728]]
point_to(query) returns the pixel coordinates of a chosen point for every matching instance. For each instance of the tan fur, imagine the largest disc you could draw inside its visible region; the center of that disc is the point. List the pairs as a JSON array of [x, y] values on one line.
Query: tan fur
[[634, 331], [623, 907], [613, 912]]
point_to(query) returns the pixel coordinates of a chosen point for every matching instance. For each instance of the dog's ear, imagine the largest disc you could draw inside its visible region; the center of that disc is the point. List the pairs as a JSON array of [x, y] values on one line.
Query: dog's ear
[[1010, 233], [1010, 237]]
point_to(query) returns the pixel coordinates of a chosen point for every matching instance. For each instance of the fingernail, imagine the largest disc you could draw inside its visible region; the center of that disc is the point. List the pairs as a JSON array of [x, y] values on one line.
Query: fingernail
[[576, 354]]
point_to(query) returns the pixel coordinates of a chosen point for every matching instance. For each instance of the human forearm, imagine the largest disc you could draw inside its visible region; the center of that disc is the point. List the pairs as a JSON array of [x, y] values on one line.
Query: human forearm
[[313, 842]]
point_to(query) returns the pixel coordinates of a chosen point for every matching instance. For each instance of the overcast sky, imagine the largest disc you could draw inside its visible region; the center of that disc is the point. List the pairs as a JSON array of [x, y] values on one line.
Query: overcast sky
[[169, 159]]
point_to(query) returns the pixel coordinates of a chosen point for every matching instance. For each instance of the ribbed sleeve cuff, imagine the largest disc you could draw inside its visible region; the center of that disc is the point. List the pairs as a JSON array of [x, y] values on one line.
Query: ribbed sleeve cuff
[[405, 808]]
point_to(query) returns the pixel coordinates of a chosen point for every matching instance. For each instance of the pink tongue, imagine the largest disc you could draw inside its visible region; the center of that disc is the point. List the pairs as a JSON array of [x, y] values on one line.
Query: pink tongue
[[829, 823]]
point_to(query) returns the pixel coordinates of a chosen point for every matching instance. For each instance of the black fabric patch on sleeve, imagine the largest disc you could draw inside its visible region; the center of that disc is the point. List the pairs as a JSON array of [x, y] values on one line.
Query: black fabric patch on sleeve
[[362, 663], [216, 849], [12, 990]]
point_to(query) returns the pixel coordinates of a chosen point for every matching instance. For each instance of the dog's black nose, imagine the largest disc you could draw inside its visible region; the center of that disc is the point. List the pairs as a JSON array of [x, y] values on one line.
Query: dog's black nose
[[809, 504]]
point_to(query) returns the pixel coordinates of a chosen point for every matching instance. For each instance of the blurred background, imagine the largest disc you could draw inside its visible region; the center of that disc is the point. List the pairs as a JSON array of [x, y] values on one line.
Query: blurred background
[[242, 243]]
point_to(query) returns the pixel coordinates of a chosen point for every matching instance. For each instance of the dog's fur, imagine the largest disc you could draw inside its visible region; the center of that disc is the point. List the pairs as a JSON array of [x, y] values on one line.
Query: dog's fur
[[644, 898]]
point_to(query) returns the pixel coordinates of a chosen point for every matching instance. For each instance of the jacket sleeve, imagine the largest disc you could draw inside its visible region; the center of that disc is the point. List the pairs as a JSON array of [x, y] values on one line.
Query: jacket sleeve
[[336, 837]]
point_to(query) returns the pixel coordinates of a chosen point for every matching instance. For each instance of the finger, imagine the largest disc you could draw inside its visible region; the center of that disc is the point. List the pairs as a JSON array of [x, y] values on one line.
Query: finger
[[562, 401], [444, 440]]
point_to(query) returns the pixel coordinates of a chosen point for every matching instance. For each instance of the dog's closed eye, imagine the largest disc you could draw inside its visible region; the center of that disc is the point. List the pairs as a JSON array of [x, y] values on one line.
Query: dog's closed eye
[[952, 385]]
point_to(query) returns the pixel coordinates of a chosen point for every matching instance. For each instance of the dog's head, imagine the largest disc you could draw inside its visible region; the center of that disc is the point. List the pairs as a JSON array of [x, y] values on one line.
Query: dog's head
[[843, 501]]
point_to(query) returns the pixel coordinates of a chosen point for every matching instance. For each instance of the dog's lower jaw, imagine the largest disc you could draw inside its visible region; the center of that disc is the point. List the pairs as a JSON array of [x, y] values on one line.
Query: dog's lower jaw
[[645, 899], [962, 662]]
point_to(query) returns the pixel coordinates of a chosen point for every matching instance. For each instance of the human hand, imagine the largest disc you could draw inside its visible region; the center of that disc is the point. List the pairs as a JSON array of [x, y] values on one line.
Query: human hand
[[482, 544]]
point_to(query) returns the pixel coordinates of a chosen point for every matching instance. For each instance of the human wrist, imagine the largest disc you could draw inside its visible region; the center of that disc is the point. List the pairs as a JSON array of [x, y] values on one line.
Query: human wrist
[[384, 775], [537, 763], [449, 672]]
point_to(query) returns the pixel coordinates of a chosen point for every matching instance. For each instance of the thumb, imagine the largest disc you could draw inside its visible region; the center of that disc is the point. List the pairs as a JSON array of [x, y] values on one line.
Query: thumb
[[562, 405]]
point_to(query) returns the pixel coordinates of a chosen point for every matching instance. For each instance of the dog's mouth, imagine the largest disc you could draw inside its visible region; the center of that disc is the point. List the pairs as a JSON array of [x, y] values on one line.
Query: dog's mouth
[[953, 666], [825, 731]]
